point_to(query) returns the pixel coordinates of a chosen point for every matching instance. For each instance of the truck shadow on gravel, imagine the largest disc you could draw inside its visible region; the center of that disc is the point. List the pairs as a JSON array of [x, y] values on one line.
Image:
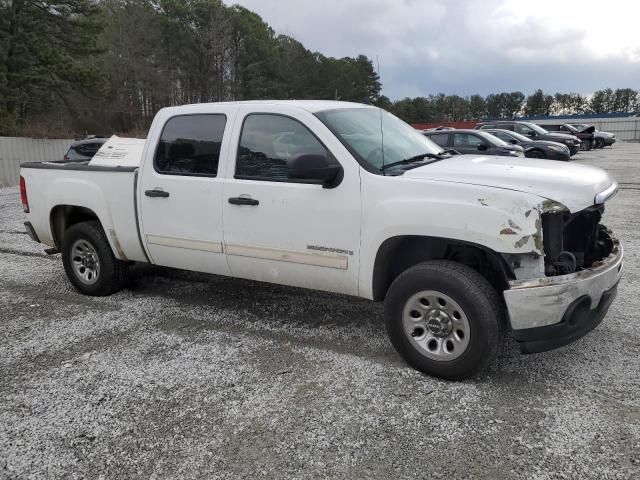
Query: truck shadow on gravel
[[335, 322]]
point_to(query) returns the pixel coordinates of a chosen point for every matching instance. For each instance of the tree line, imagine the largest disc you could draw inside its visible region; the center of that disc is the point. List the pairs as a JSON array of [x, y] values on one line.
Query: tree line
[[441, 107], [110, 65], [101, 66]]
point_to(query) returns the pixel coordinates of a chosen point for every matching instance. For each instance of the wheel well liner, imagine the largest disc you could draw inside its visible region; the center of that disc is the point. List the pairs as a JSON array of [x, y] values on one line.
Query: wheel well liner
[[64, 216], [396, 254]]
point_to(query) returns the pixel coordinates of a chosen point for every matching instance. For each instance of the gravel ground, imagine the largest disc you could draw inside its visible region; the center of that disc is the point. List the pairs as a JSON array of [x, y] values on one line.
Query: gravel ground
[[187, 375]]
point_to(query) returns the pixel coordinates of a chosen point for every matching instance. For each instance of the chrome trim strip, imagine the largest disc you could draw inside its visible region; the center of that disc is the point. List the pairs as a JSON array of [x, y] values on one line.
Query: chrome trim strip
[[606, 194], [213, 247], [316, 259]]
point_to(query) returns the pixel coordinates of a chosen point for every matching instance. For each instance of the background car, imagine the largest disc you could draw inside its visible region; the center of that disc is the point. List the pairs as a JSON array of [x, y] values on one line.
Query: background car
[[533, 148], [473, 142], [602, 139], [585, 135], [534, 131], [84, 149]]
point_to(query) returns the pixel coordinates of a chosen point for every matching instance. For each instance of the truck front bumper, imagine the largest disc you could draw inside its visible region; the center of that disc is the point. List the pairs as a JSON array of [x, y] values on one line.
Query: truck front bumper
[[550, 312]]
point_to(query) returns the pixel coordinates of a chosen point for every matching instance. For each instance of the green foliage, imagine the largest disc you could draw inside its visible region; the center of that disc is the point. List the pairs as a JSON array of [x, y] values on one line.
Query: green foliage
[[112, 64], [44, 46]]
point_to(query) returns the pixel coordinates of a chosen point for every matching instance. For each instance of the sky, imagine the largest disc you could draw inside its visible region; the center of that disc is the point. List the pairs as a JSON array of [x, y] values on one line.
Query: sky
[[473, 46]]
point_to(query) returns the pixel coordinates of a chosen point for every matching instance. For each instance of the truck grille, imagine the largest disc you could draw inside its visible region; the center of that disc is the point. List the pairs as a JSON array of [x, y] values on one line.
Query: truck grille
[[573, 242]]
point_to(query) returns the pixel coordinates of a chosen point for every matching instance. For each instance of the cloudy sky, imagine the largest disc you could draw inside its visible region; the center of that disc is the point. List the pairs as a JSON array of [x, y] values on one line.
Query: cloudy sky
[[472, 46]]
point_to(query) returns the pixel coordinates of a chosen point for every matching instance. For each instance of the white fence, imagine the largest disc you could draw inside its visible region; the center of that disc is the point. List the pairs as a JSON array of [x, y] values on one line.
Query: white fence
[[625, 128], [15, 150]]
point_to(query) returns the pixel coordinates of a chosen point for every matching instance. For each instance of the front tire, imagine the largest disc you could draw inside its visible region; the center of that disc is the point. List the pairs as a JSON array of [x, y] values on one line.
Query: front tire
[[599, 143], [537, 154], [443, 318], [89, 262]]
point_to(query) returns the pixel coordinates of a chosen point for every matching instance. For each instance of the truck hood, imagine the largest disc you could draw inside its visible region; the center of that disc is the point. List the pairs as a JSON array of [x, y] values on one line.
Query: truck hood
[[574, 186]]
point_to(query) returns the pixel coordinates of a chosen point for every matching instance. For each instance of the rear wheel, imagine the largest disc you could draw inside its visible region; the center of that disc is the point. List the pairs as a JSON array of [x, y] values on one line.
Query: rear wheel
[[443, 318], [89, 262]]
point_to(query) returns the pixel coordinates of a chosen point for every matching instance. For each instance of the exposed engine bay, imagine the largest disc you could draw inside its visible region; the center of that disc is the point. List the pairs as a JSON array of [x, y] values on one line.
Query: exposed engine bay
[[573, 242]]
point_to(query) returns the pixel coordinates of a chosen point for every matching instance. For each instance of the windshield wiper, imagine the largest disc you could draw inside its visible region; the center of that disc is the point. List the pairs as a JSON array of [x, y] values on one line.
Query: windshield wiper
[[415, 158]]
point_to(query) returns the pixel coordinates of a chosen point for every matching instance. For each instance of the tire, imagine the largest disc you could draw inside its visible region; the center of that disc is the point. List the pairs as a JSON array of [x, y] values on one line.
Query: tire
[[599, 143], [460, 288], [537, 154], [89, 262]]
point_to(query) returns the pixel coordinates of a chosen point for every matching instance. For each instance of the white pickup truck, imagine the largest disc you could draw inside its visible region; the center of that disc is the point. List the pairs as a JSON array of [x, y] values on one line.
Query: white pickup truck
[[346, 198]]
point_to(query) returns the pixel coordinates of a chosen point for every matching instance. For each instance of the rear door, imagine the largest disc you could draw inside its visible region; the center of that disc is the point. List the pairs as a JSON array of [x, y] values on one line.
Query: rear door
[[469, 143], [180, 192], [286, 231], [442, 139]]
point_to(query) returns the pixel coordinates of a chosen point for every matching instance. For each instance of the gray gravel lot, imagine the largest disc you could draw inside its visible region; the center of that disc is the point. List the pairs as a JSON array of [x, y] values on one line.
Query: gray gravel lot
[[187, 375]]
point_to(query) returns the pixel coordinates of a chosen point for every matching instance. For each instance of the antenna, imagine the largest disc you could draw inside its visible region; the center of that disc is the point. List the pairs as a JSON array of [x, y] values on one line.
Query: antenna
[[380, 111]]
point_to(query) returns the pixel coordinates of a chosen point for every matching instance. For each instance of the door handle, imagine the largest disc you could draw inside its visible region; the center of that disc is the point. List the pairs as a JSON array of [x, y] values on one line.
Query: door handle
[[156, 193], [243, 201]]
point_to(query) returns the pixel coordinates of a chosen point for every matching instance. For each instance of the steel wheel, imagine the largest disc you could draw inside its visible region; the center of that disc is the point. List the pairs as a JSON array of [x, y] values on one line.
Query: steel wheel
[[86, 264], [436, 325]]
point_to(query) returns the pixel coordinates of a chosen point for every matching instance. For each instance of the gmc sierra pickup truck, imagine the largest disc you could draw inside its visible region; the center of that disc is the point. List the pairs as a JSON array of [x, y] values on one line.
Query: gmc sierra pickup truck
[[345, 198]]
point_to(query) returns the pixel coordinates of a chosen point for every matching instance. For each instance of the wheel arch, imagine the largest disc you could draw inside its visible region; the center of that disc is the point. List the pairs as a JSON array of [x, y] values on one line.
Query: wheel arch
[[398, 253], [64, 216]]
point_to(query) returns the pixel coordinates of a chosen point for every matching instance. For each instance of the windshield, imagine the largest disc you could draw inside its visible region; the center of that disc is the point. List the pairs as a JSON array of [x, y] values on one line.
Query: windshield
[[376, 137], [536, 128], [492, 139], [508, 133]]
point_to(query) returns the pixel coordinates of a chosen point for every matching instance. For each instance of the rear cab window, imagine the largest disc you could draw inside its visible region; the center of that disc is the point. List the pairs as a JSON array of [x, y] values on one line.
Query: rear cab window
[[190, 145]]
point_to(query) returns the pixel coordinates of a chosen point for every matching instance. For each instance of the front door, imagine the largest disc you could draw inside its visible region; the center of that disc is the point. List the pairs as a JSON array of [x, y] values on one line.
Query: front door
[[181, 194], [468, 143], [283, 231]]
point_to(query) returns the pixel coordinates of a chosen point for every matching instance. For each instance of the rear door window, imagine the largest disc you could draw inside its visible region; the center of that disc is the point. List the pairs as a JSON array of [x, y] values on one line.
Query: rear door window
[[190, 145], [467, 140], [523, 129], [441, 139]]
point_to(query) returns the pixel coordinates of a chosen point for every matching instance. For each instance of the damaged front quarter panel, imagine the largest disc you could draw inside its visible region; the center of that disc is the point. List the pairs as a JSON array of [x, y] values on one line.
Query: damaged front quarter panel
[[527, 237], [524, 227]]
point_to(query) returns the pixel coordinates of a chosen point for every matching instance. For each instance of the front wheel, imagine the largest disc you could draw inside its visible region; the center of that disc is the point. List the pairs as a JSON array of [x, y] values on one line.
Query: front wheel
[[89, 262], [536, 154], [599, 143], [443, 318]]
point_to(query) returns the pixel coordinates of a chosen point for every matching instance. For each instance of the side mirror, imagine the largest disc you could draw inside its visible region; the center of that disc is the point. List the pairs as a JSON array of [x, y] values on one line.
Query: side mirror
[[315, 168], [483, 146], [531, 134], [513, 141]]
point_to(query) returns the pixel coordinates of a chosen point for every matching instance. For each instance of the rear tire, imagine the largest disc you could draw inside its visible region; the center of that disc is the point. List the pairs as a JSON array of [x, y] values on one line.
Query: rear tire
[[89, 262], [444, 319]]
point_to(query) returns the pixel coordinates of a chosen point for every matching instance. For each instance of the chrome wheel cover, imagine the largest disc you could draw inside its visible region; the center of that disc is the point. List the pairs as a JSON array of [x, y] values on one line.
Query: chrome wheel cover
[[85, 262], [436, 325]]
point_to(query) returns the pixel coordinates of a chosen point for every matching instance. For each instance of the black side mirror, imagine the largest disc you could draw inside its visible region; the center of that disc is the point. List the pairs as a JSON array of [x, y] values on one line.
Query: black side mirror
[[483, 146], [513, 141], [531, 134], [315, 168]]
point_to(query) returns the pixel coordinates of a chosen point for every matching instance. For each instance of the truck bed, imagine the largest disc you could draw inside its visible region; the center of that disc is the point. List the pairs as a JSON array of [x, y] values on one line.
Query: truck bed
[[108, 191]]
